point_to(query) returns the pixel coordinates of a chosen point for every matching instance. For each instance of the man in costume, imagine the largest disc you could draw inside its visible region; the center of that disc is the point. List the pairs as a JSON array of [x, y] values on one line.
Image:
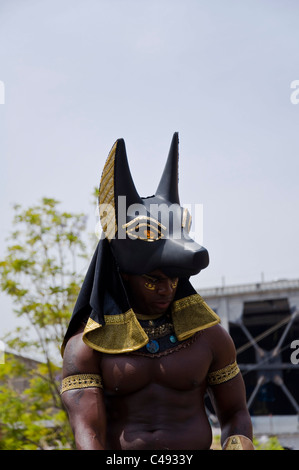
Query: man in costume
[[143, 348]]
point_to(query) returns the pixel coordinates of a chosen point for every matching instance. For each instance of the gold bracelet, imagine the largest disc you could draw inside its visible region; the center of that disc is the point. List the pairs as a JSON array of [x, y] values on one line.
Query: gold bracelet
[[238, 442], [81, 381], [223, 375]]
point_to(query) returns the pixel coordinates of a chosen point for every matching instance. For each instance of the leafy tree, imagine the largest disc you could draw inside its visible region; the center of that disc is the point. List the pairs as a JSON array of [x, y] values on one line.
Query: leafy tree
[[42, 274]]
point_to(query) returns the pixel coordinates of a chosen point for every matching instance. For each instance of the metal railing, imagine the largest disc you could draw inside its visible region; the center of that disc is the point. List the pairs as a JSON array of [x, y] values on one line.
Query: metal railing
[[259, 287]]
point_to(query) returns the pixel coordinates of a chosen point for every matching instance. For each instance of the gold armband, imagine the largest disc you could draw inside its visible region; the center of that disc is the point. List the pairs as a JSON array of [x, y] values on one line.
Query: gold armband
[[238, 442], [81, 381], [223, 375]]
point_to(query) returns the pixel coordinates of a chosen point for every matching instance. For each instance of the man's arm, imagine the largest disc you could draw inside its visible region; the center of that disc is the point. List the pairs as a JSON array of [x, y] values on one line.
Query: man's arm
[[229, 396], [85, 406], [230, 406]]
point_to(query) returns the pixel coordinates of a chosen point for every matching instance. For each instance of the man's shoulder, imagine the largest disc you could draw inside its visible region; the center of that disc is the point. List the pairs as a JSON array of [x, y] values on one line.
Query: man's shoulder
[[221, 346], [78, 357], [210, 338], [217, 333], [217, 340]]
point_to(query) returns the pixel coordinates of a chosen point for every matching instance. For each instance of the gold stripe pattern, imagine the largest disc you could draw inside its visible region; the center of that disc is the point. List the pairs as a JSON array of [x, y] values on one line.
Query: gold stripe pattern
[[106, 196], [81, 381], [223, 375]]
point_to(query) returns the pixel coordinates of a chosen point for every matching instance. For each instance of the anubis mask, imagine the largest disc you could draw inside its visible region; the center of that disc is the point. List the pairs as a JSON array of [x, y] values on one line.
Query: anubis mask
[[147, 233]]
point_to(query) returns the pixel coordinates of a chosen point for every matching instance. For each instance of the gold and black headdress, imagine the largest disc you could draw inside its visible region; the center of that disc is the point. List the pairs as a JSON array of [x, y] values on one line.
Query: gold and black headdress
[[140, 235]]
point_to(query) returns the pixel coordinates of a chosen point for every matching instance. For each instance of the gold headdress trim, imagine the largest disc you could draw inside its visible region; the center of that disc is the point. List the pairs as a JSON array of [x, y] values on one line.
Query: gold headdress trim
[[123, 333], [192, 314]]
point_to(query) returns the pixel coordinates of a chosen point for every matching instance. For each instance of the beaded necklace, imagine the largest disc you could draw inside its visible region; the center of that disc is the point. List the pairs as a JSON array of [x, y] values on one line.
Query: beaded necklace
[[161, 334]]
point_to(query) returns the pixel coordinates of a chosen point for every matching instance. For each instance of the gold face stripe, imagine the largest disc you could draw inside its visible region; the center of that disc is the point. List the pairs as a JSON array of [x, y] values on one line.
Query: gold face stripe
[[81, 381], [223, 375]]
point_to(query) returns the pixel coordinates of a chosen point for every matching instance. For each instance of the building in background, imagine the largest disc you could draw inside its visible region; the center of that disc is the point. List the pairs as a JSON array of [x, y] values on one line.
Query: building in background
[[263, 320]]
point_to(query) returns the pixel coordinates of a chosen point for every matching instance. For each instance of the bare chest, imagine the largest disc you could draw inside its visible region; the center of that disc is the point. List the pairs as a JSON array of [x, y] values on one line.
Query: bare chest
[[183, 369]]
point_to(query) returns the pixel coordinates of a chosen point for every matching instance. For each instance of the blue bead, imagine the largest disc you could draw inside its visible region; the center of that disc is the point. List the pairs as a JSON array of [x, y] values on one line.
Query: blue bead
[[152, 346], [173, 339]]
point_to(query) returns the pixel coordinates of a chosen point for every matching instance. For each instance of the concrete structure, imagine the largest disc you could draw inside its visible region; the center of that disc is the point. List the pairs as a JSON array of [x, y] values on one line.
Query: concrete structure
[[263, 320]]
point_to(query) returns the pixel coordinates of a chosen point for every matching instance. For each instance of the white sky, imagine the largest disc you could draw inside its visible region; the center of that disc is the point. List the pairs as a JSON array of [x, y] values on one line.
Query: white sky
[[80, 74]]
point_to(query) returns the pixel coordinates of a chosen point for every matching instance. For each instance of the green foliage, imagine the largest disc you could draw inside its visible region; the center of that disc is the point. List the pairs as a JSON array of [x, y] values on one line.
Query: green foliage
[[272, 443], [40, 273], [31, 412]]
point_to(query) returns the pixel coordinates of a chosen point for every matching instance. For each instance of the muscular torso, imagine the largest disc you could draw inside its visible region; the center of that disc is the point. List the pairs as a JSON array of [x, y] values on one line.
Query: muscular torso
[[157, 403], [151, 402]]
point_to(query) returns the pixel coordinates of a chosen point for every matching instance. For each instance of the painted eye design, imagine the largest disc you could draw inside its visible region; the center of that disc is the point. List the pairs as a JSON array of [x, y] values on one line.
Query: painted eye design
[[151, 283], [145, 228], [186, 220]]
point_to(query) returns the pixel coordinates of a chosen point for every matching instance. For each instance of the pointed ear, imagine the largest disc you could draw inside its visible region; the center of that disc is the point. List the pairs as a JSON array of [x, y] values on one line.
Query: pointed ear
[[168, 187], [116, 181], [123, 181]]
